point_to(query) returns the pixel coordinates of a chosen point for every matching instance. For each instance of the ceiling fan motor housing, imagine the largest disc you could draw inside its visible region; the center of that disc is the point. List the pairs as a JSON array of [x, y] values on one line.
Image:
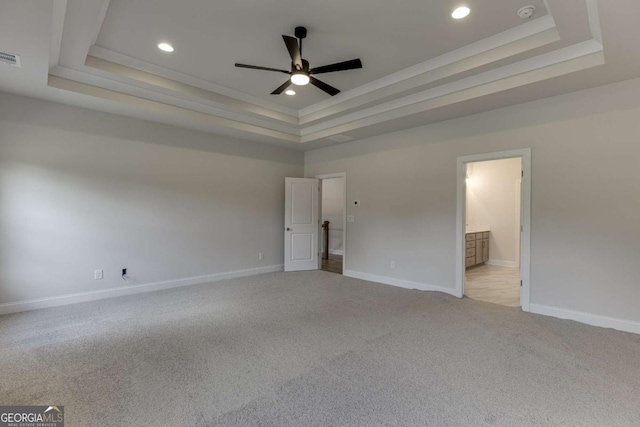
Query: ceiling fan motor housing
[[305, 66], [300, 32]]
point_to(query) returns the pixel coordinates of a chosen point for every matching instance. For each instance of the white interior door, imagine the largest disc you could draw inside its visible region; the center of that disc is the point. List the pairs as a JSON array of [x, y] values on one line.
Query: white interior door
[[301, 224]]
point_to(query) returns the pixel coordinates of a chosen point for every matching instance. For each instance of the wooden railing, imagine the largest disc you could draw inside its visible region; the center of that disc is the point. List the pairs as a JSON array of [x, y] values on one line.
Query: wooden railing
[[325, 226]]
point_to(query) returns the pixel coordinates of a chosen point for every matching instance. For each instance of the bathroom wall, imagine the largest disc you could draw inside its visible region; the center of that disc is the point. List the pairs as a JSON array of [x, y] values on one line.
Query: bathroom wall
[[493, 199]]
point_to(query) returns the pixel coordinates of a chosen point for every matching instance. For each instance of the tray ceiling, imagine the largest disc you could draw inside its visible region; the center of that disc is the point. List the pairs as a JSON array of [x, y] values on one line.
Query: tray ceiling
[[420, 65], [209, 37]]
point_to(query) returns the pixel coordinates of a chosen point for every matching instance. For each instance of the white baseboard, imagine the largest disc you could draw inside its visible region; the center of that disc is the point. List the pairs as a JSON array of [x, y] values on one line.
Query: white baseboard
[[501, 263], [336, 251], [588, 318], [35, 304], [397, 282]]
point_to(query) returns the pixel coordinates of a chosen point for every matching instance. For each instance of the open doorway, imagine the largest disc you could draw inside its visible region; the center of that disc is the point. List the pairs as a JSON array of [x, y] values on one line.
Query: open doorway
[[332, 222], [492, 231], [494, 200]]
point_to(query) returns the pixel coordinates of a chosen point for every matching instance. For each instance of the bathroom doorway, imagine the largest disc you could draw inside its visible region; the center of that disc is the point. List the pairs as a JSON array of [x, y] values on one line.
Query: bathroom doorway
[[493, 227], [492, 231]]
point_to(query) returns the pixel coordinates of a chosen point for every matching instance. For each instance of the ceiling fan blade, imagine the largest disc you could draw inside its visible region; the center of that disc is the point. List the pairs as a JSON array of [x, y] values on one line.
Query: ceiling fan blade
[[255, 67], [323, 86], [294, 50], [340, 66], [281, 88]]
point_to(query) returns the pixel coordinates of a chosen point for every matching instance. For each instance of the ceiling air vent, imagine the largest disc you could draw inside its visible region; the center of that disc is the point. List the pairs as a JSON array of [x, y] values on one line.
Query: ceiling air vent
[[9, 58], [339, 138]]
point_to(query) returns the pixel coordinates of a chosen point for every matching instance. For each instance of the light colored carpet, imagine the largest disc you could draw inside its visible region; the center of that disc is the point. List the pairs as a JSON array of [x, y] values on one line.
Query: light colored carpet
[[315, 349]]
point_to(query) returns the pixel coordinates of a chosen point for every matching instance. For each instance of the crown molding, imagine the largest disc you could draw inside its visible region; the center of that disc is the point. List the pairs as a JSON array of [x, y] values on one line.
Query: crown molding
[[57, 24], [145, 71], [422, 87], [168, 97], [459, 91], [164, 108], [104, 7], [590, 50], [544, 26], [117, 72]]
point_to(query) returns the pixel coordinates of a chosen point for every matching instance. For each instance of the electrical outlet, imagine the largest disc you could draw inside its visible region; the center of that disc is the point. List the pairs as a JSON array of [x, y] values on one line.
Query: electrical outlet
[[261, 255], [97, 275], [393, 264]]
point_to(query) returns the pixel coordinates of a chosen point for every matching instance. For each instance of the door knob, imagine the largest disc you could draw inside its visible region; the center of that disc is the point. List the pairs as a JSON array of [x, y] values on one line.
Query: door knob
[[288, 229]]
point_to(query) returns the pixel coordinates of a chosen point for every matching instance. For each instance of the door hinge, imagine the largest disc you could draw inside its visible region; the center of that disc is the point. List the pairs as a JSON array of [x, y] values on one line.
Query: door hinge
[[522, 174], [521, 283]]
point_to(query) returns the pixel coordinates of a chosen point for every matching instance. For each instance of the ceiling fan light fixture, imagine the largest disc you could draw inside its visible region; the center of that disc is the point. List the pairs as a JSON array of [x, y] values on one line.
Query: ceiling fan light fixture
[[290, 92], [461, 12], [300, 79]]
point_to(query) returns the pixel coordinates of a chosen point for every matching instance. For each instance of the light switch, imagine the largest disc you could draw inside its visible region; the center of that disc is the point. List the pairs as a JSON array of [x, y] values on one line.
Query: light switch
[[351, 218]]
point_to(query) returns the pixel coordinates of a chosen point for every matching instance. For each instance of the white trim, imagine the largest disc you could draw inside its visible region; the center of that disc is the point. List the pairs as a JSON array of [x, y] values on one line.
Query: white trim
[[104, 7], [57, 24], [336, 252], [502, 263], [407, 284], [530, 70], [449, 59], [525, 238], [159, 89], [166, 108], [38, 303], [119, 59], [588, 318], [594, 20], [518, 208], [344, 215]]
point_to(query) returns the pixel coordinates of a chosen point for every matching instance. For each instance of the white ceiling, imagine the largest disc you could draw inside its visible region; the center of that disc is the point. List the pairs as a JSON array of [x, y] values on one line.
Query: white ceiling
[[420, 66], [209, 37]]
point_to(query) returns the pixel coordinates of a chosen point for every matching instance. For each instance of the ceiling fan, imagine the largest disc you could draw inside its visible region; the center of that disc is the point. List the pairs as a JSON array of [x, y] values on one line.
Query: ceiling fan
[[300, 72]]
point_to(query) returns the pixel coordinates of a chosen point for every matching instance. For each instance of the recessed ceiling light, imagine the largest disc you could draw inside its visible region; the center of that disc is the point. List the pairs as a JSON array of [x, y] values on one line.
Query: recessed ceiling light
[[461, 12], [166, 47], [290, 92]]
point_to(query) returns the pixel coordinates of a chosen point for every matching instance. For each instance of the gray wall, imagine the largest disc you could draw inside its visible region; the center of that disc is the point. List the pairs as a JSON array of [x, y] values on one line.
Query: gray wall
[[82, 190], [585, 196]]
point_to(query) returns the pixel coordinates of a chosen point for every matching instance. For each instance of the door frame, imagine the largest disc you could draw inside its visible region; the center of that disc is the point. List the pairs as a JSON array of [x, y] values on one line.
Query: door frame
[[525, 213], [344, 217]]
